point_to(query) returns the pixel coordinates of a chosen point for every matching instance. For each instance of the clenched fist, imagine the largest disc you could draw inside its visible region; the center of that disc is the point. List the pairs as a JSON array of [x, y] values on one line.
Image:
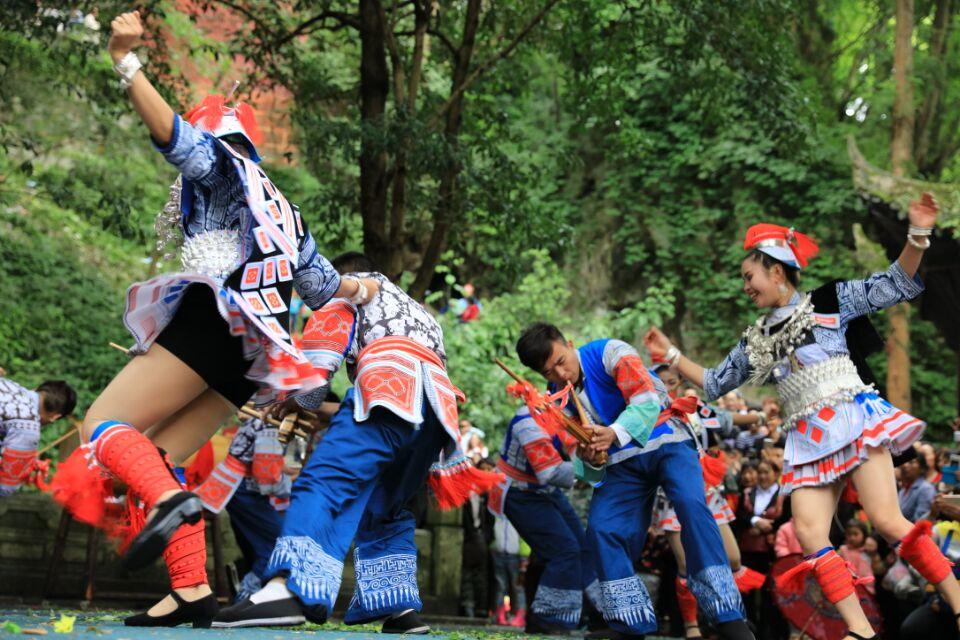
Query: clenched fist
[[125, 33], [923, 212]]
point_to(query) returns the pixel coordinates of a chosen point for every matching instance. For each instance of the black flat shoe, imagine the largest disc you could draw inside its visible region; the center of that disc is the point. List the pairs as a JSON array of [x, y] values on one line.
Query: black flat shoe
[[405, 622], [857, 636], [537, 626], [183, 508], [246, 613], [199, 613]]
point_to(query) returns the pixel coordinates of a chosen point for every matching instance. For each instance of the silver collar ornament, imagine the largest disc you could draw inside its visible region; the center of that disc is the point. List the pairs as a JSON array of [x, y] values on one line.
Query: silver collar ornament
[[765, 351]]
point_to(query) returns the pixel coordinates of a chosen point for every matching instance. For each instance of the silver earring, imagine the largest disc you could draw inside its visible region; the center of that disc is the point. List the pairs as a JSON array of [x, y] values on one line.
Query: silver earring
[[782, 288]]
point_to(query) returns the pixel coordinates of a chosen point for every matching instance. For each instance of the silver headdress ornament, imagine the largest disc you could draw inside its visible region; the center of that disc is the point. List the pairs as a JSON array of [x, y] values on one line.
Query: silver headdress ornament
[[765, 351], [167, 224]]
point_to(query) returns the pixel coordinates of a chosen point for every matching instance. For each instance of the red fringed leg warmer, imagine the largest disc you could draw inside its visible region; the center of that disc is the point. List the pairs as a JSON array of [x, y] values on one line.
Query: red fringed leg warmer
[[747, 579], [831, 572], [687, 603], [454, 482], [922, 554], [83, 483], [133, 459], [186, 556], [834, 577]]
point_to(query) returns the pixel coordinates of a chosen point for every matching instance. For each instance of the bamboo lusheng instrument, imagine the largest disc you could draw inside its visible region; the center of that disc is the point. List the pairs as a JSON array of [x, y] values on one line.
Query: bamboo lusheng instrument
[[541, 405], [290, 425]]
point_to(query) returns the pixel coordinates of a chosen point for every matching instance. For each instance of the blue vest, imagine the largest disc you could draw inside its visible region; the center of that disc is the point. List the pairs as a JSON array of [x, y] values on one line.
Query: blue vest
[[605, 395]]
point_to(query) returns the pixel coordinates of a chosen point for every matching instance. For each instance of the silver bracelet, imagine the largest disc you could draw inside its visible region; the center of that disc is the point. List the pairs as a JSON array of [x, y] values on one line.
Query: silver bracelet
[[360, 295], [916, 243], [127, 68], [919, 231], [672, 356]]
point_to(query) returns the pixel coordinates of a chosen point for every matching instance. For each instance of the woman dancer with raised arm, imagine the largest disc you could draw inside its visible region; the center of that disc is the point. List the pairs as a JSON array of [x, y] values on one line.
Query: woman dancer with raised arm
[[813, 345], [207, 338]]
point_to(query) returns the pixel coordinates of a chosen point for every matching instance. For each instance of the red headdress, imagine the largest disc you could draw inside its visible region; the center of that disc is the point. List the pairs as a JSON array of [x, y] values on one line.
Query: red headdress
[[781, 243], [214, 116]]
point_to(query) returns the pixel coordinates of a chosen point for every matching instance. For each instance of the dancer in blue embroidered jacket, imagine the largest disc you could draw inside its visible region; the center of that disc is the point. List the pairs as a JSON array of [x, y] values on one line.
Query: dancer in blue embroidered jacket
[[378, 452], [538, 470], [647, 446], [813, 346], [207, 337]]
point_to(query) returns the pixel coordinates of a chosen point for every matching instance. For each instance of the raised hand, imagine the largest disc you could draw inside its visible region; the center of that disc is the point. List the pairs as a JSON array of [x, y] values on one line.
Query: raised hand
[[125, 33], [657, 343], [923, 212]]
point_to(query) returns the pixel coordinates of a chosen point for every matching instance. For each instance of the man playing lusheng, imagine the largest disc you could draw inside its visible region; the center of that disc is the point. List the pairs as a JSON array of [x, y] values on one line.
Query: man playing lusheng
[[647, 445]]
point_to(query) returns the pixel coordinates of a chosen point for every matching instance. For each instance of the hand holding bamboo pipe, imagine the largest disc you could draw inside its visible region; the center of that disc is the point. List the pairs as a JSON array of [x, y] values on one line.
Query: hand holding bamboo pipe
[[551, 416]]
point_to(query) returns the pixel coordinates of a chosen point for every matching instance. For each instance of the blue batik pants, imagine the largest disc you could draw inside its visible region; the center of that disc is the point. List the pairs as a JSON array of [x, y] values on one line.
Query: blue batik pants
[[256, 526], [356, 484], [548, 523], [620, 515]]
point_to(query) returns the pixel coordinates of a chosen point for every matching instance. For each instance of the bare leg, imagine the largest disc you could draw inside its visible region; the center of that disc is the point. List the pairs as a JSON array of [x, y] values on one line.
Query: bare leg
[[157, 388], [673, 538], [813, 509], [730, 546], [875, 483], [181, 435], [148, 390]]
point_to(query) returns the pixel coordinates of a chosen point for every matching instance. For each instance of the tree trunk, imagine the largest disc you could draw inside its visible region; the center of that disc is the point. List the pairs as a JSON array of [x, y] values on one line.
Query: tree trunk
[[374, 179], [449, 196], [898, 338], [929, 112]]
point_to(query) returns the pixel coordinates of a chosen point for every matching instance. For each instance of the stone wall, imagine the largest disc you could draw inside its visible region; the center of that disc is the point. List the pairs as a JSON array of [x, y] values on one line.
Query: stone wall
[[28, 528]]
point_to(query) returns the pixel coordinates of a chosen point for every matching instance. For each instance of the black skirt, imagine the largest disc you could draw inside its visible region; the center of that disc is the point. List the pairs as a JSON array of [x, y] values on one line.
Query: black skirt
[[200, 337]]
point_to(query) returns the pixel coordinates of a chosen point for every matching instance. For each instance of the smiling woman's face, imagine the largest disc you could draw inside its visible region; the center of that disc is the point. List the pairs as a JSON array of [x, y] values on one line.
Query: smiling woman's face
[[762, 285]]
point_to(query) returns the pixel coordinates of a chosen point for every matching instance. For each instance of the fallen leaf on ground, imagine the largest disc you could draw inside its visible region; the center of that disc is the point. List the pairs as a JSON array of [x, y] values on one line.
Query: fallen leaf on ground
[[12, 627], [34, 632], [64, 624]]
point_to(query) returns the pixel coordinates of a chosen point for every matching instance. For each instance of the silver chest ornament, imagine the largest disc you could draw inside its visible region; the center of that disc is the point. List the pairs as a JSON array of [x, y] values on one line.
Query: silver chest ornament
[[765, 352], [215, 254]]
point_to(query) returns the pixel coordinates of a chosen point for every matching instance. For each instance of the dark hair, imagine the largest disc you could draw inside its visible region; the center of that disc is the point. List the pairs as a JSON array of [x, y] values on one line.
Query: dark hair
[[792, 274], [58, 397], [856, 524], [922, 461], [536, 344], [354, 262], [770, 463]]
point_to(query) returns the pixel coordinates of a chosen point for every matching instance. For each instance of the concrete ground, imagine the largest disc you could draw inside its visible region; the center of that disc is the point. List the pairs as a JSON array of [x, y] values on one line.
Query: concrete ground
[[107, 624]]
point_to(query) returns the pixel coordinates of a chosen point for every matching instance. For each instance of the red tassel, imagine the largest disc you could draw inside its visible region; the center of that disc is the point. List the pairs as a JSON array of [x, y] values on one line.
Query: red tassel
[[201, 467], [452, 486], [793, 579], [714, 469], [687, 603], [82, 489], [919, 530], [747, 579], [248, 120], [39, 473], [208, 113]]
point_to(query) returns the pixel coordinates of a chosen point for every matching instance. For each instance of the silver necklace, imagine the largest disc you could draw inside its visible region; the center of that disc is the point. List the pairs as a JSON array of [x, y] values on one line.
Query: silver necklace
[[765, 351], [167, 224]]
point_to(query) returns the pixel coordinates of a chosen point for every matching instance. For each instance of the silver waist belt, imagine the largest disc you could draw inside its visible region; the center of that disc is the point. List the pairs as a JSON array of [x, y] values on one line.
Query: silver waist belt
[[808, 390]]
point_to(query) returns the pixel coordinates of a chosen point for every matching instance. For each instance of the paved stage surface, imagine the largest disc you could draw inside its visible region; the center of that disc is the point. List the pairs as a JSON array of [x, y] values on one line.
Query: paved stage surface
[[108, 625]]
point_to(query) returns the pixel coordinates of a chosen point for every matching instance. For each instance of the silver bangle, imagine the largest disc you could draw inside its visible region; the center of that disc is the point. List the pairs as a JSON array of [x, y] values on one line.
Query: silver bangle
[[360, 295], [919, 231], [127, 68], [916, 243], [672, 356]]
